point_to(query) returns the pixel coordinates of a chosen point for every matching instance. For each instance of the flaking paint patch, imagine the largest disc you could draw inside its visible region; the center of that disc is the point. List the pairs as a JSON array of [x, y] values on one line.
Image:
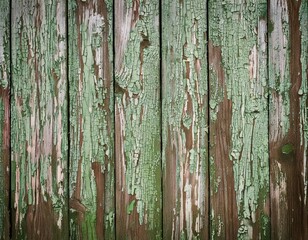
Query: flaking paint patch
[[38, 106], [184, 116], [244, 59], [138, 118], [288, 148], [279, 69], [91, 119]]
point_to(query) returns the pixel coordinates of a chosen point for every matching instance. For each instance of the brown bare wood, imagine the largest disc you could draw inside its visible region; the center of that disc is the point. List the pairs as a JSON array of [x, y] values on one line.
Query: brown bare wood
[[239, 171], [137, 120], [185, 119], [5, 59], [288, 72]]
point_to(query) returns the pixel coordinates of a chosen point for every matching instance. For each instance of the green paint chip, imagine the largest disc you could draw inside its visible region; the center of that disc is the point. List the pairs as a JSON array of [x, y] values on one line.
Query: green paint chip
[[187, 122], [130, 207], [287, 149]]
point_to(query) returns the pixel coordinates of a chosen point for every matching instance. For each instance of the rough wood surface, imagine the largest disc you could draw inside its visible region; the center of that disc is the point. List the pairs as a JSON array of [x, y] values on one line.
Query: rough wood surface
[[91, 119], [238, 120], [39, 120], [184, 120], [4, 119], [288, 73], [137, 120]]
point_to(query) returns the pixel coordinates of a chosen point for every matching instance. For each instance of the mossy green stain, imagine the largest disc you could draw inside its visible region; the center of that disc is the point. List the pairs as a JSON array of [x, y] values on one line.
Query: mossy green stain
[[287, 149], [270, 26], [265, 222]]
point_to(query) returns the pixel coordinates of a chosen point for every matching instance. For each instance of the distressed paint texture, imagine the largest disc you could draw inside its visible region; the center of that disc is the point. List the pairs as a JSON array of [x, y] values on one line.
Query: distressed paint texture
[[184, 120], [288, 73], [137, 120], [91, 120], [39, 120], [239, 116], [195, 139], [4, 118]]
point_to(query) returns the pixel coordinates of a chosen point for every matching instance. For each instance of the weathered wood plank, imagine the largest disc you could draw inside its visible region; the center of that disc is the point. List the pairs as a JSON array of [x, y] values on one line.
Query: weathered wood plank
[[239, 115], [185, 123], [137, 120], [39, 120], [4, 119], [288, 73], [91, 119]]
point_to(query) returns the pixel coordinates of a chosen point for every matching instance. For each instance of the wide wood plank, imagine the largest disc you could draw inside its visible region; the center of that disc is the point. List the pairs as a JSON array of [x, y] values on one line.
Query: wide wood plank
[[185, 123], [137, 120], [91, 119], [288, 73], [4, 119], [238, 120], [39, 120]]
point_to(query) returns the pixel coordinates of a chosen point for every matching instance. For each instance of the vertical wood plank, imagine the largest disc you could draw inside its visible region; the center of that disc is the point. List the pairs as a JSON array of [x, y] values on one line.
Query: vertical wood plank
[[184, 125], [239, 120], [288, 73], [4, 118], [39, 120], [137, 120], [91, 119]]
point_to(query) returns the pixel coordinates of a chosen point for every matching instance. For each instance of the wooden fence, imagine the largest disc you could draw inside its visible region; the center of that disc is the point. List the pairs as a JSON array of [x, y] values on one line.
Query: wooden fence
[[148, 119]]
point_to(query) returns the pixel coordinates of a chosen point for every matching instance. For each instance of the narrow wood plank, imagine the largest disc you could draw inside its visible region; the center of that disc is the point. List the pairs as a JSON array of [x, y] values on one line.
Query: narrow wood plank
[[185, 123], [239, 120], [91, 119], [137, 120], [288, 73], [4, 119], [39, 120]]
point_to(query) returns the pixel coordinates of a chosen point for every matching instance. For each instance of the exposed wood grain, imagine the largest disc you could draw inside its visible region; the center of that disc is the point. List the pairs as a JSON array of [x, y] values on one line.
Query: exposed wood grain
[[39, 120], [238, 120], [144, 160], [4, 119], [137, 120], [288, 73], [184, 125], [91, 119]]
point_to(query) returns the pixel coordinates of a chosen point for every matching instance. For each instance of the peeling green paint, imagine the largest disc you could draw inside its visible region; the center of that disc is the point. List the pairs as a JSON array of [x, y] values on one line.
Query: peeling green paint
[[217, 94], [184, 119], [288, 72], [91, 119], [138, 118], [279, 69], [239, 31], [130, 207], [239, 91], [303, 91], [39, 120], [4, 118]]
